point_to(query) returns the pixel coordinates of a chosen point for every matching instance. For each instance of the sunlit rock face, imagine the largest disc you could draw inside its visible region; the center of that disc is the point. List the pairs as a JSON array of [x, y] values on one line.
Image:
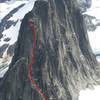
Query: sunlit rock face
[[64, 62]]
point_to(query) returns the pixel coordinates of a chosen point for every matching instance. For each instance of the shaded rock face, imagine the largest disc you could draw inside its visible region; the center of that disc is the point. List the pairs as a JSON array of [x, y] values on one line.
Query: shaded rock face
[[1, 35], [84, 4], [90, 25], [11, 49], [7, 39], [2, 49], [64, 62], [7, 1]]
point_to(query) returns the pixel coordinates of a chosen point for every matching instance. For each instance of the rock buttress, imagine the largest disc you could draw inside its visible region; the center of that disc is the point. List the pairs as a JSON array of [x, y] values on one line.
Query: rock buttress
[[64, 62]]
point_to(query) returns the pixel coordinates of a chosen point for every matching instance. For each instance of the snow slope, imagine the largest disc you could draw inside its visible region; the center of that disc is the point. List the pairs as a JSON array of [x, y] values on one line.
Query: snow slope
[[5, 8], [13, 31]]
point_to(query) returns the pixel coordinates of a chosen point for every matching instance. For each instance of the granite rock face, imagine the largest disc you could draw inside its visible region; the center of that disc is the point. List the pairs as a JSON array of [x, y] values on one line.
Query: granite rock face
[[64, 64]]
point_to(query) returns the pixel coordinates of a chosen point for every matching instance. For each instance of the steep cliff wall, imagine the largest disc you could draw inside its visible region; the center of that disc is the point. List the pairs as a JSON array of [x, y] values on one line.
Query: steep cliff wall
[[58, 50]]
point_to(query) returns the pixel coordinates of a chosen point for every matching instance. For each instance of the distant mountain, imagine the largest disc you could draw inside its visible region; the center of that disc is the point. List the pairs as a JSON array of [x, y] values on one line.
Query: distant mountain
[[84, 4], [8, 1], [1, 1]]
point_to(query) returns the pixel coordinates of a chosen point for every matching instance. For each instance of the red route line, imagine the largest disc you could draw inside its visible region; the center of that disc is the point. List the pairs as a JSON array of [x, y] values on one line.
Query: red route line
[[37, 87]]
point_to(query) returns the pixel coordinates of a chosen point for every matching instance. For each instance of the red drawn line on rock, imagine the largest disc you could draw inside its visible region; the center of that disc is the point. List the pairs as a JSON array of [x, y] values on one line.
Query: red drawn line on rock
[[32, 26]]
